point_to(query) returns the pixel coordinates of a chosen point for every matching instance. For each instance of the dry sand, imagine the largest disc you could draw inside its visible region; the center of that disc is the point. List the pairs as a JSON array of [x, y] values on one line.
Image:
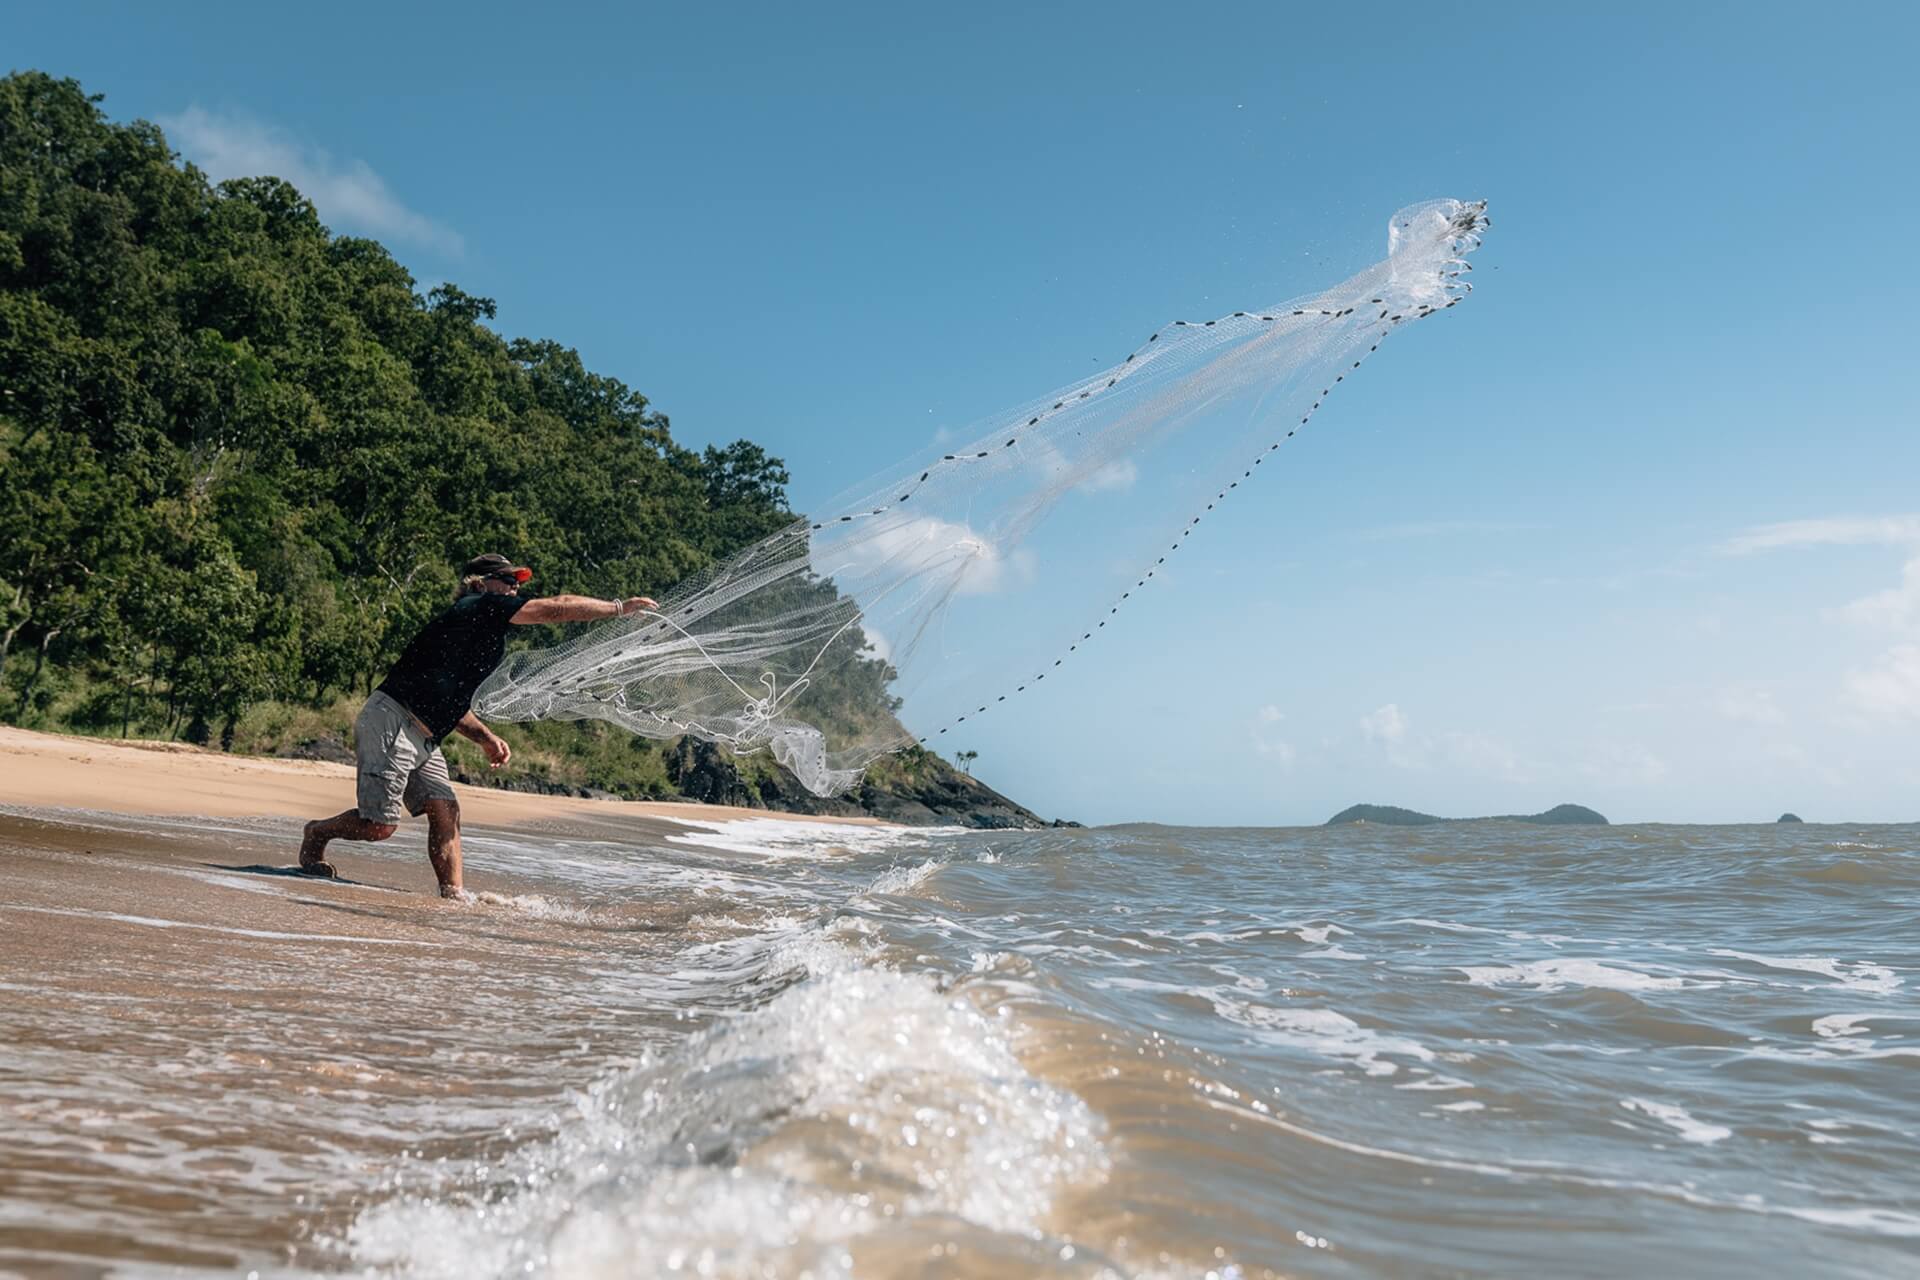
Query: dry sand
[[47, 770]]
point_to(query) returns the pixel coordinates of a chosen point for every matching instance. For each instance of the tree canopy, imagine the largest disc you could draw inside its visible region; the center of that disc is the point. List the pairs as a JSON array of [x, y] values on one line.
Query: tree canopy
[[241, 456]]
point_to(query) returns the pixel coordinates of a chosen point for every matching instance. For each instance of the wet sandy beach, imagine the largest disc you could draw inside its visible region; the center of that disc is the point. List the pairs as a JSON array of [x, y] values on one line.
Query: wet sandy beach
[[204, 1056]]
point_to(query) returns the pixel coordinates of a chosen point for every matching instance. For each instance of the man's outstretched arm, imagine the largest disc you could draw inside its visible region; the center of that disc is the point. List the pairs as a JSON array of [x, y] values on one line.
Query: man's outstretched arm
[[578, 609]]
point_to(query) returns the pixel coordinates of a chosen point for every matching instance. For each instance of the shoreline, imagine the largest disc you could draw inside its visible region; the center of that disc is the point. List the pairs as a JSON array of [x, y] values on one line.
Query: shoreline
[[138, 777]]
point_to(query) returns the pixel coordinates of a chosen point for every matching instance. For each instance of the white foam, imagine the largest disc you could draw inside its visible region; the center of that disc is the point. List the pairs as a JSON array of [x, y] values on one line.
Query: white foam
[[1890, 1222], [1558, 974], [532, 906], [897, 880], [785, 838], [855, 1102], [1836, 1025], [1325, 1032], [1861, 975], [1318, 934], [1677, 1119]]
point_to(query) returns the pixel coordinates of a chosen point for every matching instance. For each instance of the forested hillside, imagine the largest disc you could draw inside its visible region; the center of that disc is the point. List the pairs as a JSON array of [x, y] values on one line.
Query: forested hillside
[[241, 456]]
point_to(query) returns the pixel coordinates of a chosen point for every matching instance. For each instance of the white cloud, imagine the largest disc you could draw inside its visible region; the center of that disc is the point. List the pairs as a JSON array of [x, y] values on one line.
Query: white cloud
[[1281, 753], [1385, 725], [1473, 753], [869, 556], [1891, 689], [1897, 606], [1828, 531], [1265, 744], [1388, 727], [346, 192], [1070, 470], [1115, 477]]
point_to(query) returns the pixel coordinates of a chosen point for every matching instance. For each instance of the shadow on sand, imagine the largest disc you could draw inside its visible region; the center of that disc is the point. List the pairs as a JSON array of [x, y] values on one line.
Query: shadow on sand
[[295, 873]]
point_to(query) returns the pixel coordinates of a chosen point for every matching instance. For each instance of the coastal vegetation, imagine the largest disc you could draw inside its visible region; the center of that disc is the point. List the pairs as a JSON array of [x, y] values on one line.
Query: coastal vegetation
[[241, 456]]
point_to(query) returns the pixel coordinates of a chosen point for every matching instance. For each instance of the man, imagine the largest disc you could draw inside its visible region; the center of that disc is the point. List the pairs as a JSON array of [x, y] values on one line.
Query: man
[[428, 695]]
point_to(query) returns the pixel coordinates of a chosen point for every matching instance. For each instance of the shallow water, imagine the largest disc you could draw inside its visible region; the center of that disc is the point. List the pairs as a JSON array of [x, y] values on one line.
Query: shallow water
[[780, 1049]]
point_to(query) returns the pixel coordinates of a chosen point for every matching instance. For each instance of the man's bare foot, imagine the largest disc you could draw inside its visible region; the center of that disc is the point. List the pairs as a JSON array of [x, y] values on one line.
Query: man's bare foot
[[454, 893], [312, 862]]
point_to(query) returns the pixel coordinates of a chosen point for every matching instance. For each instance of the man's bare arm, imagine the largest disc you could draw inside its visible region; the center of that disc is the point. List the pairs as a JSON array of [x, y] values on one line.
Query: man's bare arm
[[498, 752], [578, 609]]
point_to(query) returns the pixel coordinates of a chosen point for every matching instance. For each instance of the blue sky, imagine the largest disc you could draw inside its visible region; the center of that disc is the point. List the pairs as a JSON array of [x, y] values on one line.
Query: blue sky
[[1637, 527]]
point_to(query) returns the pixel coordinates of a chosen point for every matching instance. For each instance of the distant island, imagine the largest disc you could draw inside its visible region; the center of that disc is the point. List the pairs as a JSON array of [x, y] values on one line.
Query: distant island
[[1789, 817], [1561, 815]]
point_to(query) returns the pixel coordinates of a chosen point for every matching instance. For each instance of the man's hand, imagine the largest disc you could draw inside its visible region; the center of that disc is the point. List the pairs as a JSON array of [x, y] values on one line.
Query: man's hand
[[634, 604], [474, 730]]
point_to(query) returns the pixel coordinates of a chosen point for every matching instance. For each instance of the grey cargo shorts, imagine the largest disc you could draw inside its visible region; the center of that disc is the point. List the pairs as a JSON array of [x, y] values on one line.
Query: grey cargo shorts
[[401, 768]]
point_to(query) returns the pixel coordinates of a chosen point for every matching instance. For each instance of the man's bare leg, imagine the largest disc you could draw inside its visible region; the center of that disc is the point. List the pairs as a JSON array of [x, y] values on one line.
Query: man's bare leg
[[443, 845], [342, 826]]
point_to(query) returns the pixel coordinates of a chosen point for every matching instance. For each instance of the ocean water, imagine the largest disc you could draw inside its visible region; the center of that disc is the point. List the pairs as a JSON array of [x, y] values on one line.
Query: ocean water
[[781, 1049]]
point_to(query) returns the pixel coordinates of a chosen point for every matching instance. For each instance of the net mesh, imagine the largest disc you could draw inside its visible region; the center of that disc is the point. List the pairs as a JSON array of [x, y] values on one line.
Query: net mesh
[[927, 596]]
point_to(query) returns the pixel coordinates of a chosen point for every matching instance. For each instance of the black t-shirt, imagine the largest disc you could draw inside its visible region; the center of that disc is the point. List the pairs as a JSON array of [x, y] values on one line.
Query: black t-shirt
[[438, 672]]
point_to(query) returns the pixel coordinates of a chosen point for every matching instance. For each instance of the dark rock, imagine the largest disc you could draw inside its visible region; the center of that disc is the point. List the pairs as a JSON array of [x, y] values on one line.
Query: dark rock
[[525, 783], [917, 788], [701, 771], [1789, 817], [925, 790], [325, 747]]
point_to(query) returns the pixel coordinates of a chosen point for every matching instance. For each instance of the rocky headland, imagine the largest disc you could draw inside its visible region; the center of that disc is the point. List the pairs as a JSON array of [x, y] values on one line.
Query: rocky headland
[[1561, 815]]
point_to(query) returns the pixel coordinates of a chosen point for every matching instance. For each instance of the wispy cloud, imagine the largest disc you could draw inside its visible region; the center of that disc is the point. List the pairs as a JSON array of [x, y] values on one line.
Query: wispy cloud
[[1477, 754], [952, 556], [1898, 606], [346, 192], [1265, 743], [1116, 477], [1827, 531], [1386, 725], [1890, 689]]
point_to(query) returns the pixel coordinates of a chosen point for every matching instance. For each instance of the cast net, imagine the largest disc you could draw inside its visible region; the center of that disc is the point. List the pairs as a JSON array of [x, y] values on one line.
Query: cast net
[[931, 594]]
